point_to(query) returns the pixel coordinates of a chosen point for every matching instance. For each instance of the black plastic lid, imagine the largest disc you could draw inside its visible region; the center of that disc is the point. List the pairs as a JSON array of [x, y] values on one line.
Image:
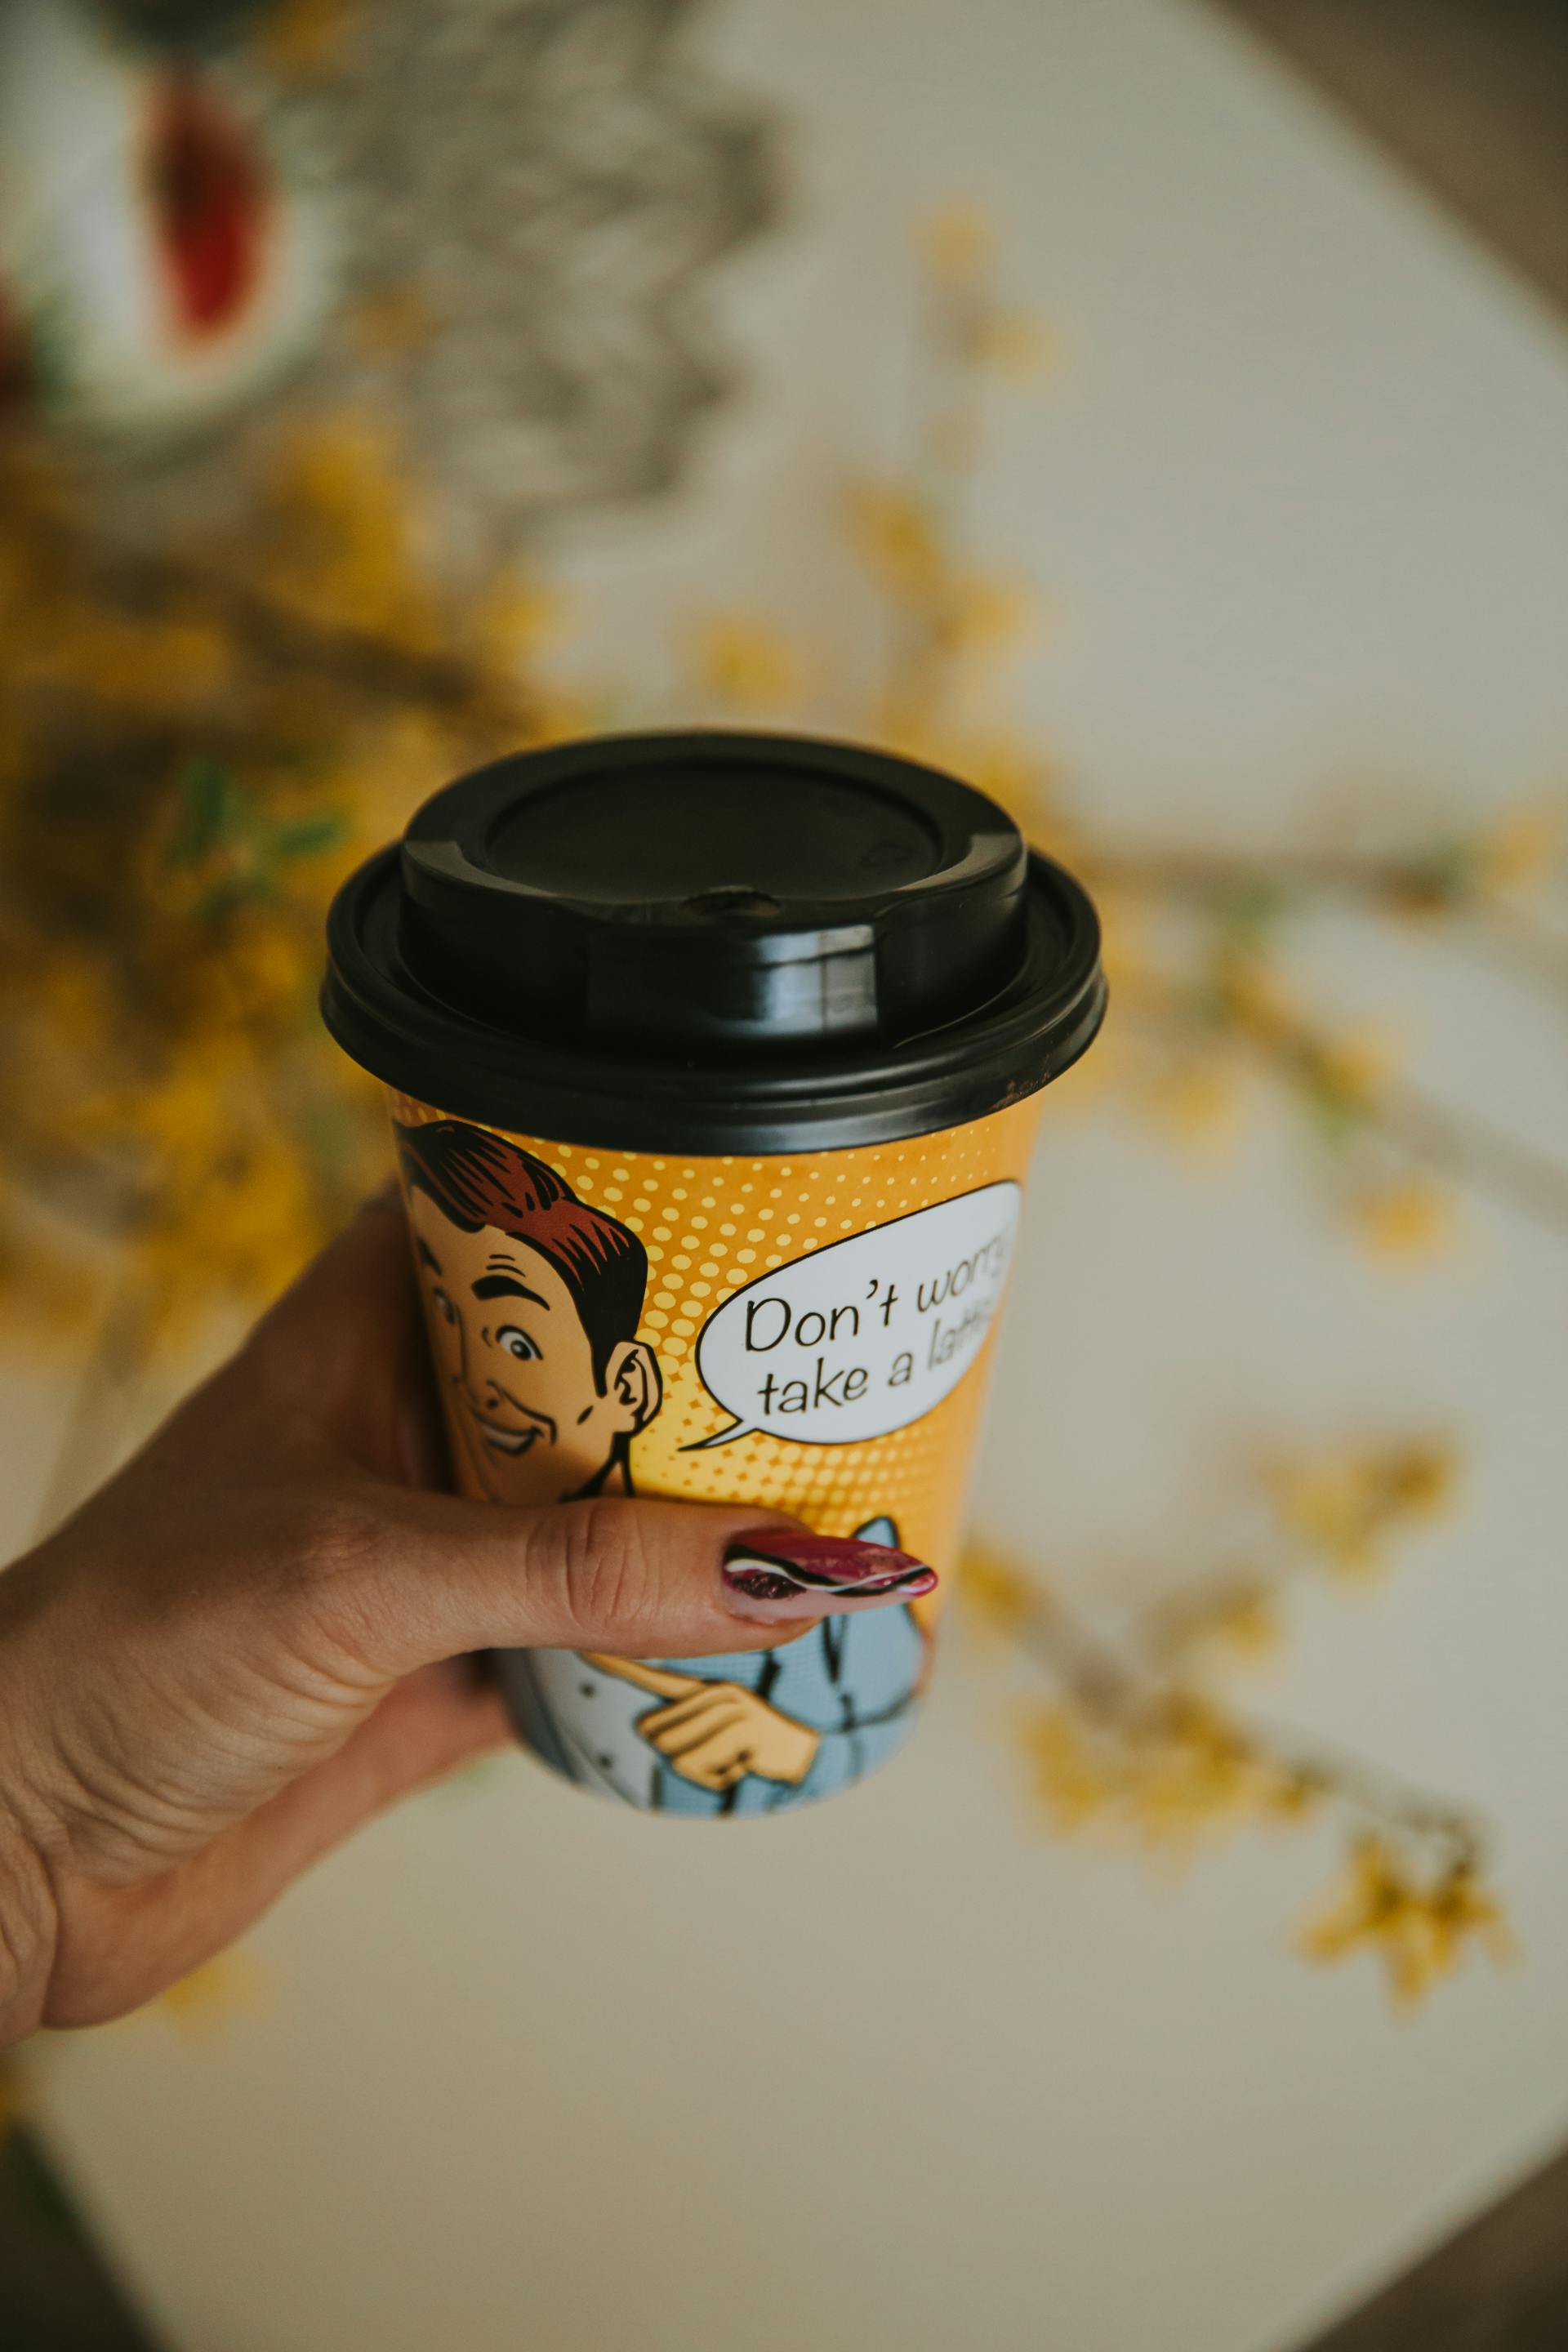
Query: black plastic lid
[[713, 942]]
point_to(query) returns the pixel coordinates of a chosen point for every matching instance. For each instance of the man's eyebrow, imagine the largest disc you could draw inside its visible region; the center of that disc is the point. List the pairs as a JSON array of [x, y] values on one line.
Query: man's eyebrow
[[507, 1285], [428, 1257]]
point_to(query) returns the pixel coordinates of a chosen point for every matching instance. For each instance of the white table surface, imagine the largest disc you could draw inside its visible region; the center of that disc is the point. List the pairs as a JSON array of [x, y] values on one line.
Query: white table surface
[[903, 2073]]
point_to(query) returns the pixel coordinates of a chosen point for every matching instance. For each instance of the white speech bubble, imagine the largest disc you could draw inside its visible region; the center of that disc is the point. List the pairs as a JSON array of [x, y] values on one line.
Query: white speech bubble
[[866, 1336]]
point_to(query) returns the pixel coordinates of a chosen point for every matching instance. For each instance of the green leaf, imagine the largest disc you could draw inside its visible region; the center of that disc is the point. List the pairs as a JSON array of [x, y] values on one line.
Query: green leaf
[[1246, 906], [211, 812], [235, 891], [308, 837], [1335, 1116]]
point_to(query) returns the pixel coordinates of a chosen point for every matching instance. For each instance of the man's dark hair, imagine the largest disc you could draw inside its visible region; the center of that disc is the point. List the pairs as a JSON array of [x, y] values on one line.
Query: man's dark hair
[[477, 1178]]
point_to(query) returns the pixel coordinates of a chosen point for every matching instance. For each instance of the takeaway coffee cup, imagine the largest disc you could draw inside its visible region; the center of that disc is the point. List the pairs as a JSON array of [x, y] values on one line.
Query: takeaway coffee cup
[[713, 1062]]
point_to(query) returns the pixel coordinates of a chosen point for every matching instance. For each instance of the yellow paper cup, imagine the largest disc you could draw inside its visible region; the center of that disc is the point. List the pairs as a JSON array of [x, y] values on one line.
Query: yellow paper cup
[[758, 1251]]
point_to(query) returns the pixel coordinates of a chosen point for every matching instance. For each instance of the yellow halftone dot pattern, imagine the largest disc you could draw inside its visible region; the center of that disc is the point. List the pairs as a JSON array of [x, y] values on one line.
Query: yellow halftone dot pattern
[[711, 1225]]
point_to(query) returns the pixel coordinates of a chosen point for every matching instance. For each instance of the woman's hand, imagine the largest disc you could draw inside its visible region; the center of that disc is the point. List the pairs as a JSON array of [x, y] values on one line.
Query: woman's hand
[[252, 1639]]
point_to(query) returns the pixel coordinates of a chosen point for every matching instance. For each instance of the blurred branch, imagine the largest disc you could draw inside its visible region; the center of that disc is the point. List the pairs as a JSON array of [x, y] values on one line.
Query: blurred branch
[[1138, 1746], [139, 580], [1126, 1693], [945, 617], [1465, 1147], [1455, 1144], [1412, 883]]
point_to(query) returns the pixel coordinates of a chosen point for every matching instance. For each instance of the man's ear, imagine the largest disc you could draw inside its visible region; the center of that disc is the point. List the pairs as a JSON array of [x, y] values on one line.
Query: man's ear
[[634, 1383]]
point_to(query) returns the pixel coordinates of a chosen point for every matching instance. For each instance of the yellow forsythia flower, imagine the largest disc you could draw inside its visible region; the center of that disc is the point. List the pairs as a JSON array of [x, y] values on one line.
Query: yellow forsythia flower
[[898, 540], [342, 553], [957, 241], [1345, 1503], [1198, 1102], [1252, 996], [1377, 1908], [746, 663], [1165, 1778], [1418, 1932], [1522, 848], [147, 669], [1068, 1776], [515, 617], [1463, 1912], [1404, 1223], [205, 2004], [1243, 1624], [996, 1589], [1013, 343], [1416, 1481], [1353, 1065], [1126, 948], [1201, 1775], [981, 616], [301, 39]]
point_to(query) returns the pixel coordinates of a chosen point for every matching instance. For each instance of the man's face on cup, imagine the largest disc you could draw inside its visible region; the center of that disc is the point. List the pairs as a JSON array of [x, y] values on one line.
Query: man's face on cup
[[542, 1415]]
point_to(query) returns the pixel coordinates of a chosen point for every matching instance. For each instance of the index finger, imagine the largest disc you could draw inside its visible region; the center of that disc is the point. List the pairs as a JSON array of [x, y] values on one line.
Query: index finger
[[658, 1680], [701, 1702]]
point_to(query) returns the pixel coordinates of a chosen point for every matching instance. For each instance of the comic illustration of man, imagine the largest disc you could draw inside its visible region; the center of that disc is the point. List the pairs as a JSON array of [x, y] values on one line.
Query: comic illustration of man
[[533, 1300]]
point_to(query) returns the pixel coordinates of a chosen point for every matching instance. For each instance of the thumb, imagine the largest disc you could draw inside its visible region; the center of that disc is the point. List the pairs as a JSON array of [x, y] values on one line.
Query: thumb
[[441, 1575]]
